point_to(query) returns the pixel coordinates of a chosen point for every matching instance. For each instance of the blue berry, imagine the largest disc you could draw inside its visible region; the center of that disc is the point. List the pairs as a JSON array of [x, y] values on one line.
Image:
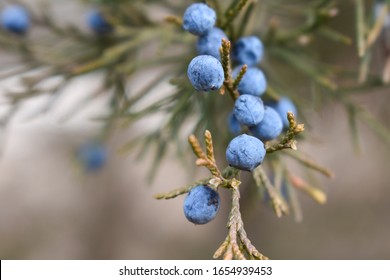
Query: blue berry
[[98, 23], [270, 127], [92, 156], [205, 73], [199, 18], [249, 110], [201, 205], [282, 106], [15, 18], [245, 152], [253, 82], [248, 50], [210, 42], [234, 124]]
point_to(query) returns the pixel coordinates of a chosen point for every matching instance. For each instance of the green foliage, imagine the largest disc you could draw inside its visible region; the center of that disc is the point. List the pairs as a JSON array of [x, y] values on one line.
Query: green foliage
[[287, 28]]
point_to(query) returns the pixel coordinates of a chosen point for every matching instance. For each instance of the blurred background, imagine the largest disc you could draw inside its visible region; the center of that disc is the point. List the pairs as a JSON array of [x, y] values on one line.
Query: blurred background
[[51, 210]]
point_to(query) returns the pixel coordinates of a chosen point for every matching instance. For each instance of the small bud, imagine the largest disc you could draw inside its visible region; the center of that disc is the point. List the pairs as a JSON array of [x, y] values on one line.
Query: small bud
[[235, 183], [318, 195], [293, 145]]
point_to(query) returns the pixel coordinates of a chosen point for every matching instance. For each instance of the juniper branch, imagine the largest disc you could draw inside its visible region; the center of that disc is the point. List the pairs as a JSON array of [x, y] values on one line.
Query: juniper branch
[[272, 93], [206, 159], [226, 65], [175, 20], [360, 27], [179, 191], [195, 145], [376, 30], [237, 245], [278, 204], [221, 249], [209, 146], [310, 163], [288, 140], [248, 246], [232, 13], [240, 76], [318, 195]]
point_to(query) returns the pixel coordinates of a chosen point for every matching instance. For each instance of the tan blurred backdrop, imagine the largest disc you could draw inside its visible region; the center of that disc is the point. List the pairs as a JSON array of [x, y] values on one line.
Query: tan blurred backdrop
[[49, 211]]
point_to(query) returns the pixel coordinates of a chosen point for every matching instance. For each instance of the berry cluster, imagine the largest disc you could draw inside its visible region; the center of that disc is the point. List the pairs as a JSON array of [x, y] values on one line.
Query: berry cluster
[[265, 121], [205, 71], [16, 19]]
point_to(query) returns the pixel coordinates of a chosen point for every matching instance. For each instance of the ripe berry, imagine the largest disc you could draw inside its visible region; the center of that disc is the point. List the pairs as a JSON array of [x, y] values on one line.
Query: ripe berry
[[210, 42], [248, 50], [15, 18], [270, 127], [205, 73], [282, 106], [98, 23], [92, 156], [249, 110], [234, 124], [201, 205], [199, 18], [253, 82], [245, 152]]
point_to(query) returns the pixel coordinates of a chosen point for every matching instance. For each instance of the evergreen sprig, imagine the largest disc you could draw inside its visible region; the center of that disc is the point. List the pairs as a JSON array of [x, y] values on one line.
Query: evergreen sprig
[[229, 84], [278, 203], [288, 140], [237, 245], [69, 53]]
